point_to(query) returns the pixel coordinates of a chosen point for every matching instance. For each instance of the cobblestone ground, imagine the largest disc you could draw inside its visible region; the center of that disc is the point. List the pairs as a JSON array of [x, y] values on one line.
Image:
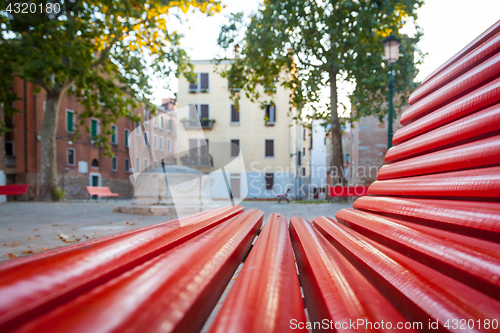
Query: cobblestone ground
[[27, 228]]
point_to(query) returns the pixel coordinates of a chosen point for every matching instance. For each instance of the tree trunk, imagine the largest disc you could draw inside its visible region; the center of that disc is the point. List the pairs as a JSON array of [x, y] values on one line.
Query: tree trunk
[[336, 130], [48, 173]]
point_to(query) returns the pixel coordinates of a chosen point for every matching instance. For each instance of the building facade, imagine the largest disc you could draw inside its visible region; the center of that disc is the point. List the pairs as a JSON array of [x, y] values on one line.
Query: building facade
[[271, 144], [80, 163]]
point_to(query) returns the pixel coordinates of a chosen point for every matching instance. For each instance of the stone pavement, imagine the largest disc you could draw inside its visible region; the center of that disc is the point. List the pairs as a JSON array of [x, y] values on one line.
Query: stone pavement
[[33, 227]]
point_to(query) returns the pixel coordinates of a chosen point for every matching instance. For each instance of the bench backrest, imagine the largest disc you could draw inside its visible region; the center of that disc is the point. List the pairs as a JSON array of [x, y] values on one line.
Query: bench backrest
[[96, 190], [348, 191], [16, 189]]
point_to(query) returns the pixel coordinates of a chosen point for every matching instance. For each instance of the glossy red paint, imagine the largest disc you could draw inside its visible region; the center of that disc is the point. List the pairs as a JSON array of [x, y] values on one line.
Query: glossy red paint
[[481, 153], [469, 61], [420, 292], [266, 295], [334, 289], [474, 78], [475, 101], [472, 261], [174, 292], [34, 285], [481, 184], [471, 218], [468, 129]]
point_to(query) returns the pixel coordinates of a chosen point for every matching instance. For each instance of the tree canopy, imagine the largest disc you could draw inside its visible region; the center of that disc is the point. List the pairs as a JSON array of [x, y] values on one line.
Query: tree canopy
[[318, 43], [101, 51]]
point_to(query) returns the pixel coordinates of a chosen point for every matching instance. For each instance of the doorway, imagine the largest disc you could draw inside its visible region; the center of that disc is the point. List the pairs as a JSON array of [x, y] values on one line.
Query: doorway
[[95, 179], [235, 184]]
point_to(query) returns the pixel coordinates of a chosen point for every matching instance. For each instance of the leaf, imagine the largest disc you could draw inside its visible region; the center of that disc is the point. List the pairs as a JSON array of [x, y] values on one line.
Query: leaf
[[44, 249], [11, 255], [28, 251]]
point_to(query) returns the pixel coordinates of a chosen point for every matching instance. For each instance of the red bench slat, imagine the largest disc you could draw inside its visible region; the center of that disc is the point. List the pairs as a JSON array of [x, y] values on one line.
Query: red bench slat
[[475, 101], [178, 288], [83, 266], [348, 191], [476, 77], [477, 219], [420, 292], [469, 184], [477, 56], [481, 153], [472, 261], [473, 127], [266, 295], [334, 289], [100, 191]]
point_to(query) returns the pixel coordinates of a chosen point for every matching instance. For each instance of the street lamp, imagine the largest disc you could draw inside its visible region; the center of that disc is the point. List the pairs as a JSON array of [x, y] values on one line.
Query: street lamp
[[391, 48]]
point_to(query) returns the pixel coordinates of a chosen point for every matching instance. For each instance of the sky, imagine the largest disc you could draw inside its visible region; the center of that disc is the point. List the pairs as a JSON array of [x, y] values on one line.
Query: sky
[[448, 26]]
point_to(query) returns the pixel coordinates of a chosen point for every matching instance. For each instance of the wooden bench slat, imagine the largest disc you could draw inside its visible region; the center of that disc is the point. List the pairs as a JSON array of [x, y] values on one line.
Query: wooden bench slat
[[334, 289], [462, 85], [174, 292], [472, 218], [475, 154], [475, 101], [468, 184], [83, 266], [471, 261], [420, 292], [469, 61], [266, 295]]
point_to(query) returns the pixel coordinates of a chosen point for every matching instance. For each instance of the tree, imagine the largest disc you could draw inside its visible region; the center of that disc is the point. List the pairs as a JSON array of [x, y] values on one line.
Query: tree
[[101, 51], [319, 43]]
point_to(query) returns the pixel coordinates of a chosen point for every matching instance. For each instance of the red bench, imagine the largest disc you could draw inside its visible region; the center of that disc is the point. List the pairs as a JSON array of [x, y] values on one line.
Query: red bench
[[421, 252], [348, 191], [14, 190], [100, 191], [284, 196]]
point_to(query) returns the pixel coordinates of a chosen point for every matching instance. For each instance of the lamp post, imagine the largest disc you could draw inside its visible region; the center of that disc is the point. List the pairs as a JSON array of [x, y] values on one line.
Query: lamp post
[[391, 48]]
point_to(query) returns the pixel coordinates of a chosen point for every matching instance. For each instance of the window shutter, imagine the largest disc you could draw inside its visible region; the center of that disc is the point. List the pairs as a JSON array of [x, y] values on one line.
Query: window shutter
[[193, 111], [235, 115], [269, 181], [235, 148], [204, 81], [269, 148], [272, 116], [204, 111], [194, 86]]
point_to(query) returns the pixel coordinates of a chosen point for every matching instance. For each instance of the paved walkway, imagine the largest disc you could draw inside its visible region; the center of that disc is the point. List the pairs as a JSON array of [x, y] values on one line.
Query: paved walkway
[[35, 227]]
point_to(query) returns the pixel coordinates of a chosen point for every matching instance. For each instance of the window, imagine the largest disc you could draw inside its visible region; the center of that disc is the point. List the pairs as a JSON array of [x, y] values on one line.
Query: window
[[303, 152], [70, 121], [304, 134], [9, 149], [303, 171], [138, 127], [170, 125], [146, 164], [161, 122], [94, 163], [146, 115], [235, 148], [269, 148], [126, 135], [156, 122], [162, 143], [169, 145], [146, 139], [44, 106], [202, 83], [114, 163], [269, 181], [70, 154], [204, 112], [114, 134], [270, 114], [94, 128], [127, 165], [137, 165], [235, 114], [155, 142]]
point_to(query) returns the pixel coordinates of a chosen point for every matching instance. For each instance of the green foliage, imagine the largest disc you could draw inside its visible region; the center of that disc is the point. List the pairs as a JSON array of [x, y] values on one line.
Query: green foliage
[[58, 193], [102, 51], [312, 41]]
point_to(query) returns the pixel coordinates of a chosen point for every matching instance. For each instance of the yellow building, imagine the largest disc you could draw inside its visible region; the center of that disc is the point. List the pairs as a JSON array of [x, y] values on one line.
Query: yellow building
[[271, 144]]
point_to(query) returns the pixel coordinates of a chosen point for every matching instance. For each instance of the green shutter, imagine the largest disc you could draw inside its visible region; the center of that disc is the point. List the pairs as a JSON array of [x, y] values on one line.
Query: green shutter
[[126, 139], [93, 128], [69, 121]]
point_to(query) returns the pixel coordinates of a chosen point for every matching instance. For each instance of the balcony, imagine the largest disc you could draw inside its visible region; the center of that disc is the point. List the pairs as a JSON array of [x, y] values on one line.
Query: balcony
[[195, 123], [202, 163], [10, 161]]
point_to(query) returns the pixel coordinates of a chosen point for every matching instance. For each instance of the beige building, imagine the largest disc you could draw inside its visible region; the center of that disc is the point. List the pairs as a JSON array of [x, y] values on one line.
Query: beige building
[[271, 145]]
